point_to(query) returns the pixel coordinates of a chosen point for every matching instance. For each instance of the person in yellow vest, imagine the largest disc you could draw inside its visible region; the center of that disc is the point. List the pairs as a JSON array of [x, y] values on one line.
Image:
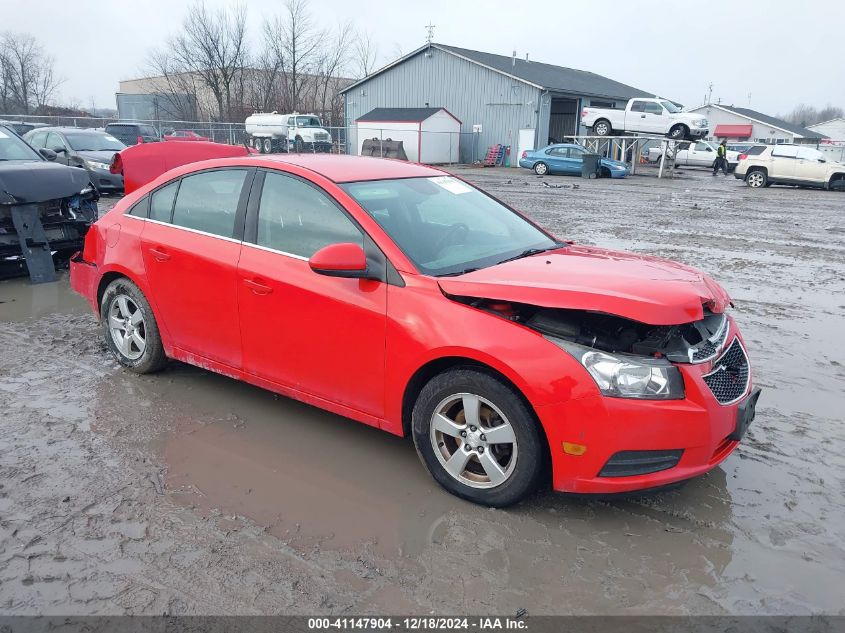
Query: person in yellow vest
[[721, 158]]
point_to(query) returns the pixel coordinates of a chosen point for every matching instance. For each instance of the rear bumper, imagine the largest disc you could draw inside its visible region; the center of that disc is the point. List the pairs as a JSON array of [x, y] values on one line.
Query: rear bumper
[[84, 278], [668, 441]]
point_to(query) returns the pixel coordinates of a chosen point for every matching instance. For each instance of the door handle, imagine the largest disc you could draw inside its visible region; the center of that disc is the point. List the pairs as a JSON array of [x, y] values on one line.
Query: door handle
[[642, 116], [160, 256], [258, 288]]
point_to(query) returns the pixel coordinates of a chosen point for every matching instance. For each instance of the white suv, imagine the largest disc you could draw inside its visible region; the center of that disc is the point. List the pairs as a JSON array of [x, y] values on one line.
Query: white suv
[[762, 166]]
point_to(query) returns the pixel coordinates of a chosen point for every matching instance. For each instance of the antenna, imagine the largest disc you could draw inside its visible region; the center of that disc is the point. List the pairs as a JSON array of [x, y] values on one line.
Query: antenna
[[430, 36]]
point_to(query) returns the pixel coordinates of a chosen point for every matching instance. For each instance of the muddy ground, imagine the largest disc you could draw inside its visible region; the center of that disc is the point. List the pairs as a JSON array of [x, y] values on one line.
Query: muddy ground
[[187, 492]]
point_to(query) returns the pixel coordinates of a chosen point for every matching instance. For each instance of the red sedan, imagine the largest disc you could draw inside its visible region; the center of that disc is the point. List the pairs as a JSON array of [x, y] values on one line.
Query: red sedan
[[402, 297], [185, 135]]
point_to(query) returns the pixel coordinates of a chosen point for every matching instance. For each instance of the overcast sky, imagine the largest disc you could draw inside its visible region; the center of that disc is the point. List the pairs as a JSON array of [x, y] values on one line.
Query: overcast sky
[[766, 54]]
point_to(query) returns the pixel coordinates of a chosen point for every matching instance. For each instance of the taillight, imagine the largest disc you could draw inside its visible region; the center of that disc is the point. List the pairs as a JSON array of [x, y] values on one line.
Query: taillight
[[742, 157], [116, 165], [583, 113], [525, 154]]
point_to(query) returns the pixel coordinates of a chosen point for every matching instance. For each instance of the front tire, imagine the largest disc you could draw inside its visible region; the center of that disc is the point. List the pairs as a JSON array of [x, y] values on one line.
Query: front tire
[[541, 169], [477, 438], [757, 178], [130, 329], [678, 132]]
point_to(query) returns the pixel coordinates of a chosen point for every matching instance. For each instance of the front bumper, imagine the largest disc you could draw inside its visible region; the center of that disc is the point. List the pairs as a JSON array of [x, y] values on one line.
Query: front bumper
[[105, 181], [698, 132], [700, 429]]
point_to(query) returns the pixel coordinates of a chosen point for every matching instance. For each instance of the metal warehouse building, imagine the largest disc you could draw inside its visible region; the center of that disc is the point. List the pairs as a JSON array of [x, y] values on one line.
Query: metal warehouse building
[[515, 102]]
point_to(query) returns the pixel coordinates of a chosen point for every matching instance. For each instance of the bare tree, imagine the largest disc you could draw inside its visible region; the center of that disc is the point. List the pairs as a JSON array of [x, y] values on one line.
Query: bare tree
[[331, 65], [805, 115], [365, 53], [212, 46], [177, 88], [27, 78], [295, 42]]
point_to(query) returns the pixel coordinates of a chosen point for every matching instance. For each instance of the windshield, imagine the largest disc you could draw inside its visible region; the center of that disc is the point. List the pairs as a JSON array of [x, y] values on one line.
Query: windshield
[[671, 107], [308, 121], [93, 142], [13, 148], [445, 226]]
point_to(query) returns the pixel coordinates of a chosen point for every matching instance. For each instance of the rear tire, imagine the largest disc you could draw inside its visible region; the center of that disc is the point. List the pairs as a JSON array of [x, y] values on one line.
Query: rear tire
[[541, 169], [757, 178], [602, 127], [477, 438], [130, 329], [268, 146]]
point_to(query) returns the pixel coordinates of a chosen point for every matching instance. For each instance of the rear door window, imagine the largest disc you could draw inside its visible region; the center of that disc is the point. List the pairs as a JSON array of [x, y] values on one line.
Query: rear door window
[[298, 219], [755, 151], [208, 201], [161, 202], [785, 152], [638, 106]]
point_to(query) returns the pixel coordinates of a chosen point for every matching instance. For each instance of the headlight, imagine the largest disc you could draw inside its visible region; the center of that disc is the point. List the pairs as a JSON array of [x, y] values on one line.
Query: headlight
[[702, 123], [623, 376], [92, 164]]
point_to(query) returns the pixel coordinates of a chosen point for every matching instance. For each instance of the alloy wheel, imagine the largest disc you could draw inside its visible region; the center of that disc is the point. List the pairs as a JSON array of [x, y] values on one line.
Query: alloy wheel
[[473, 441], [755, 179], [127, 328]]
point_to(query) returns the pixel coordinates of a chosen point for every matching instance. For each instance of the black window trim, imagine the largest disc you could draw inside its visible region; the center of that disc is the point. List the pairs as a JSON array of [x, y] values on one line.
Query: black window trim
[[377, 262]]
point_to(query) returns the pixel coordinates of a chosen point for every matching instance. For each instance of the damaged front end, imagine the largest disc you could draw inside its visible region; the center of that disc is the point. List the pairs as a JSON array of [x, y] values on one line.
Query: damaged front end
[[45, 212], [626, 358]]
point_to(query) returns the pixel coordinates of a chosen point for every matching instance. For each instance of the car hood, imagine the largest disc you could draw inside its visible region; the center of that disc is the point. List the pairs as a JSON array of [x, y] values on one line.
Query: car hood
[[101, 156], [40, 181], [639, 287]]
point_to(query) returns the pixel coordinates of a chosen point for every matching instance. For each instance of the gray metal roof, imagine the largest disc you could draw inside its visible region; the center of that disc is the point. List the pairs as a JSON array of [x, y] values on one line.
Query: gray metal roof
[[773, 121], [547, 76], [550, 77], [410, 115]]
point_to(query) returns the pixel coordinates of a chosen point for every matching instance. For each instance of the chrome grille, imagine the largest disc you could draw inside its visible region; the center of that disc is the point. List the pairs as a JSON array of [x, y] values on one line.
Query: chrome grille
[[729, 380]]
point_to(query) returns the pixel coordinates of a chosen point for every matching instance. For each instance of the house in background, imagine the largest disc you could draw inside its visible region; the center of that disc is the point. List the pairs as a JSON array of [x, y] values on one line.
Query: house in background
[[744, 124], [834, 145], [498, 98]]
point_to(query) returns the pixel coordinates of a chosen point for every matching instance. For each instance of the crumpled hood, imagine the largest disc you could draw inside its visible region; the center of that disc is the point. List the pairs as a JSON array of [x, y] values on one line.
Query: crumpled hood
[[39, 182], [639, 287]]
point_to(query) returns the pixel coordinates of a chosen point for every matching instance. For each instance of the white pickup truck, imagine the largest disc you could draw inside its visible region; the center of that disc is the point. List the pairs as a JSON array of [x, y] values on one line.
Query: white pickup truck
[[697, 154], [646, 116]]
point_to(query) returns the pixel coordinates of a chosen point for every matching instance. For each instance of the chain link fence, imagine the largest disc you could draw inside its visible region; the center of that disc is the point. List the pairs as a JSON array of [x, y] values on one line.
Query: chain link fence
[[433, 147]]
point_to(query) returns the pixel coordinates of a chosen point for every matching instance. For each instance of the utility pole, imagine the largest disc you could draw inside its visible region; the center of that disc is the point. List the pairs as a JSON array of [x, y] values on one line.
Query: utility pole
[[709, 92]]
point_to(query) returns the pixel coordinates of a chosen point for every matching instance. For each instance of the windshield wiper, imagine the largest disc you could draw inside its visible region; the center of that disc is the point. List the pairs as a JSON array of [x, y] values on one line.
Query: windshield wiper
[[459, 272], [528, 252]]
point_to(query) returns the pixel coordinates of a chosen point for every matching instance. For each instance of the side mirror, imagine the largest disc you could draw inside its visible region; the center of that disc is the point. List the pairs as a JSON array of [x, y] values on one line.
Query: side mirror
[[59, 150], [822, 160], [340, 260], [47, 153]]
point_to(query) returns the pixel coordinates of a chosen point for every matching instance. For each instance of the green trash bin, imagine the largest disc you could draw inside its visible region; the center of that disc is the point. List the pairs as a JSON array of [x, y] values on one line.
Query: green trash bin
[[590, 166]]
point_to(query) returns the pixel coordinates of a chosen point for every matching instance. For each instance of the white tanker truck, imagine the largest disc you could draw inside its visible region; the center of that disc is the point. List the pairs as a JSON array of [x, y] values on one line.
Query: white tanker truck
[[270, 132]]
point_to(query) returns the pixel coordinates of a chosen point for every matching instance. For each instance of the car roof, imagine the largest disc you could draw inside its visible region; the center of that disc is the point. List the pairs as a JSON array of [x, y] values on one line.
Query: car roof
[[563, 145], [346, 168], [68, 128]]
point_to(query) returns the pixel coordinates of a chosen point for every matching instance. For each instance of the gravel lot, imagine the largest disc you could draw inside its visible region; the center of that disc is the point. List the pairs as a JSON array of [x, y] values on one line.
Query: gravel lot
[[187, 492]]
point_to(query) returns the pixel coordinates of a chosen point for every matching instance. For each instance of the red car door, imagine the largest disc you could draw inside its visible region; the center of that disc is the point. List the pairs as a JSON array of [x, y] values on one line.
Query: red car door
[[324, 336], [190, 245]]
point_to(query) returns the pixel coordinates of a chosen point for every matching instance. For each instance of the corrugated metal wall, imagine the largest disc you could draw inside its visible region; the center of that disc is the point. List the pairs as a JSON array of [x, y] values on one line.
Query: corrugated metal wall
[[472, 93]]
